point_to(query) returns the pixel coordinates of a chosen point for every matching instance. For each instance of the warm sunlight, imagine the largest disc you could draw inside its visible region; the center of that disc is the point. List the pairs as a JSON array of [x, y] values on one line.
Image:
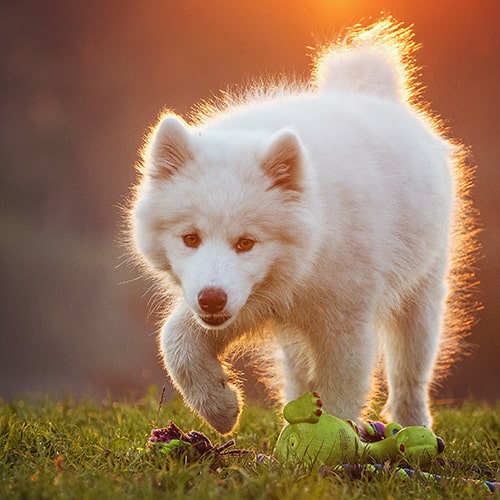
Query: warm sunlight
[[221, 215], [81, 87]]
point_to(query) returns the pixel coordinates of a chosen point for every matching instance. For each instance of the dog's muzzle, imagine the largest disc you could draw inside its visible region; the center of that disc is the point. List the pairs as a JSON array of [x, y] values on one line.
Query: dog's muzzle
[[215, 320]]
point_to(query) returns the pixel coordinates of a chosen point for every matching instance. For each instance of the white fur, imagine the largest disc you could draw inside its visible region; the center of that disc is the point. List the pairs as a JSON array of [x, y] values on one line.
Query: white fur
[[347, 193]]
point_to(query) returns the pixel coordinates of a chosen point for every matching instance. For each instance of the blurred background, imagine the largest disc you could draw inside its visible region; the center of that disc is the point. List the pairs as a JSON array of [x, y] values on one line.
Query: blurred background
[[80, 83]]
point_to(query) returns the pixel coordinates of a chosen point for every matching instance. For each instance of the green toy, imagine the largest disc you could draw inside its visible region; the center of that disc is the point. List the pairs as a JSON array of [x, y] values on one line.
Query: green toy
[[312, 436]]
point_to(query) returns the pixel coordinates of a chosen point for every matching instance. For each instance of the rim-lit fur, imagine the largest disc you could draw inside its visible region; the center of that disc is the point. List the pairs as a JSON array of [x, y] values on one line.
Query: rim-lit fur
[[334, 212]]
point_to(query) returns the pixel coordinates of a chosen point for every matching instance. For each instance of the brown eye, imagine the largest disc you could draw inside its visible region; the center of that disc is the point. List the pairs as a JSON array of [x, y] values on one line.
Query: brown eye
[[191, 240], [244, 245]]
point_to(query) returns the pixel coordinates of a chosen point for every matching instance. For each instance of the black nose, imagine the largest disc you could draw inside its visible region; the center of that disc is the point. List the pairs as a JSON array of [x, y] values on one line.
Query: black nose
[[212, 300]]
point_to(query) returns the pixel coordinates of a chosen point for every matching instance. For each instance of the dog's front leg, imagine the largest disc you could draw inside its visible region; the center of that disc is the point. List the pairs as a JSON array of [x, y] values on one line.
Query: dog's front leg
[[191, 356]]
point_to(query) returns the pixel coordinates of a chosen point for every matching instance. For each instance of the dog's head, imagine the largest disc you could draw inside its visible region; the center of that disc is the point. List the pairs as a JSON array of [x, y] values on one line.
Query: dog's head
[[226, 215]]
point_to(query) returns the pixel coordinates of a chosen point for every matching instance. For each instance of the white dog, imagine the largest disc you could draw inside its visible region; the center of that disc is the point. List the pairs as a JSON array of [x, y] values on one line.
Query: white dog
[[322, 210]]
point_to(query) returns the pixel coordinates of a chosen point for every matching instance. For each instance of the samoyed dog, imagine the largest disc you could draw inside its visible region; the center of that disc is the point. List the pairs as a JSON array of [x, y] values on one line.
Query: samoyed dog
[[319, 211]]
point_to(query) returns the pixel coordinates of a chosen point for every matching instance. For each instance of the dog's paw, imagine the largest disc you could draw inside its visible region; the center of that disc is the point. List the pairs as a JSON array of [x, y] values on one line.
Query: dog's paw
[[409, 414], [221, 409]]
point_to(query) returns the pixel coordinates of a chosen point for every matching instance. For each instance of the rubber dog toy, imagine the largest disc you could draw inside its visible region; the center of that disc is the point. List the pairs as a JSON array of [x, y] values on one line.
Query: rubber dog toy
[[312, 436], [172, 440]]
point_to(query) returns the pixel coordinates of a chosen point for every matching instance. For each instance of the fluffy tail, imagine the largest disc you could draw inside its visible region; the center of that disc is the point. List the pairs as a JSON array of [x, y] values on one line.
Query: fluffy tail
[[376, 60]]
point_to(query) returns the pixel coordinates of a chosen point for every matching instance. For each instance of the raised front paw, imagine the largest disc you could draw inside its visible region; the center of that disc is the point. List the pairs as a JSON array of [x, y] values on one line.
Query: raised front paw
[[220, 408]]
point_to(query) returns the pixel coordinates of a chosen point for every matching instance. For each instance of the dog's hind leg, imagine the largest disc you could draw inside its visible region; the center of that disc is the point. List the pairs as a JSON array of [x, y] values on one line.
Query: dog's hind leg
[[411, 342]]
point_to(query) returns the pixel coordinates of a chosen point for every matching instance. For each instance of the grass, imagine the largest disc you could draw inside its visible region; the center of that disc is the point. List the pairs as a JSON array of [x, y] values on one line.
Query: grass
[[87, 450]]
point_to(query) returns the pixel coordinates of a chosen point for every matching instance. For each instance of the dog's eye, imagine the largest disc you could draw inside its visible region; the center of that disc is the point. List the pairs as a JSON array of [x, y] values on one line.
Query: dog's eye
[[244, 245], [191, 240]]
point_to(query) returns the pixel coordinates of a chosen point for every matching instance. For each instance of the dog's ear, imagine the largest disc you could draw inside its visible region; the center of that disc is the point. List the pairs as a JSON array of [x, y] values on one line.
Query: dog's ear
[[283, 162], [169, 147]]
